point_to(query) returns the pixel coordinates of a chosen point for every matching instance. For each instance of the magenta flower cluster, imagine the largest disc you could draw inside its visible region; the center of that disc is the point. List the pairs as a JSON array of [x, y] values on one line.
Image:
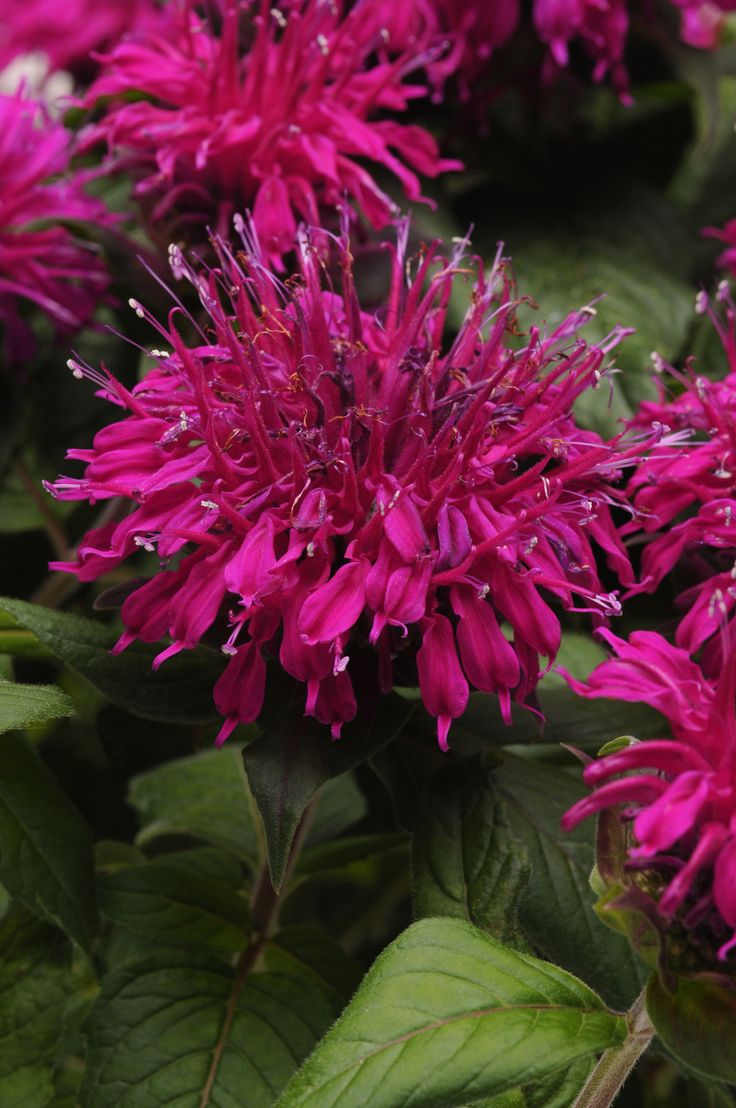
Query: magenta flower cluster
[[336, 476], [684, 491], [294, 125], [42, 260], [66, 33], [680, 793], [474, 31], [325, 478]]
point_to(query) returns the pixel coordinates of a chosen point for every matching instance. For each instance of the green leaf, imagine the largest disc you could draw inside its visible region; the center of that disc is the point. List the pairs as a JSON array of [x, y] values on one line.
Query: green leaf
[[23, 705], [556, 908], [167, 901], [447, 1016], [45, 845], [568, 718], [19, 512], [579, 655], [111, 855], [290, 761], [697, 1023], [557, 1091], [180, 692], [465, 861], [39, 991], [407, 765], [341, 804], [207, 861], [185, 1028], [310, 952], [347, 851], [66, 1087], [628, 249], [205, 796]]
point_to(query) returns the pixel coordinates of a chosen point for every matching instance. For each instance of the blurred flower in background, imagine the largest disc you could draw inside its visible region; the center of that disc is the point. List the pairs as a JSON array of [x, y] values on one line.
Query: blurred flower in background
[[66, 34], [43, 260], [282, 110]]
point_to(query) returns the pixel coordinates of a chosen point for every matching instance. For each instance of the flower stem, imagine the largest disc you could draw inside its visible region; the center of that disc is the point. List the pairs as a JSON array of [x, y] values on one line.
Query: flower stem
[[40, 499], [264, 919], [615, 1065]]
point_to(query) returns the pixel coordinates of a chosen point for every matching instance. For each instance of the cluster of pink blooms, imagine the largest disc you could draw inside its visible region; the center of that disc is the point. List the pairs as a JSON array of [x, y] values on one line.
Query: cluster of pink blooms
[[291, 126], [680, 792], [337, 478], [475, 30], [307, 114], [602, 27], [684, 492], [41, 259], [67, 32], [319, 478]]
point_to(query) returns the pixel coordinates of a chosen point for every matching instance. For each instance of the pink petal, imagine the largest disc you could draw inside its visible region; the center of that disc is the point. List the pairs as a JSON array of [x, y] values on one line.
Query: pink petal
[[334, 607], [724, 883], [441, 680], [671, 815]]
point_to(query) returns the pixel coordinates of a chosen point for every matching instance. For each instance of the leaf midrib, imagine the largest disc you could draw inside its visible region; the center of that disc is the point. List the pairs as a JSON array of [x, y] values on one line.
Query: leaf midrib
[[478, 1013]]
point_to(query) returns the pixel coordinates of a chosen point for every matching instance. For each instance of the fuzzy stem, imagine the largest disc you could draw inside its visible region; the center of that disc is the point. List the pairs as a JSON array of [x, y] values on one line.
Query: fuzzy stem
[[615, 1065], [264, 917], [53, 528]]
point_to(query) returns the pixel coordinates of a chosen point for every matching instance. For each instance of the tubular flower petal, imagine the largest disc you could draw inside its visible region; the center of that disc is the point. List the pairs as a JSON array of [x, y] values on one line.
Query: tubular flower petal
[[679, 794], [283, 127], [330, 480], [441, 680]]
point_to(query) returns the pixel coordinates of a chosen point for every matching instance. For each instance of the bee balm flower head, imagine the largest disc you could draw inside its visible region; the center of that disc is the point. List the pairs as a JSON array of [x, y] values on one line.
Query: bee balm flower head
[[684, 489], [679, 794], [297, 118], [332, 479]]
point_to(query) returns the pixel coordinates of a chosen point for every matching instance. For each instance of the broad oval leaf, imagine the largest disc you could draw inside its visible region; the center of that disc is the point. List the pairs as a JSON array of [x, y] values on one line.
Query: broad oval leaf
[[205, 796], [180, 692], [557, 1091], [39, 992], [188, 1029], [556, 908], [169, 902], [447, 1016], [45, 846], [465, 861], [308, 951], [697, 1023], [24, 705]]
